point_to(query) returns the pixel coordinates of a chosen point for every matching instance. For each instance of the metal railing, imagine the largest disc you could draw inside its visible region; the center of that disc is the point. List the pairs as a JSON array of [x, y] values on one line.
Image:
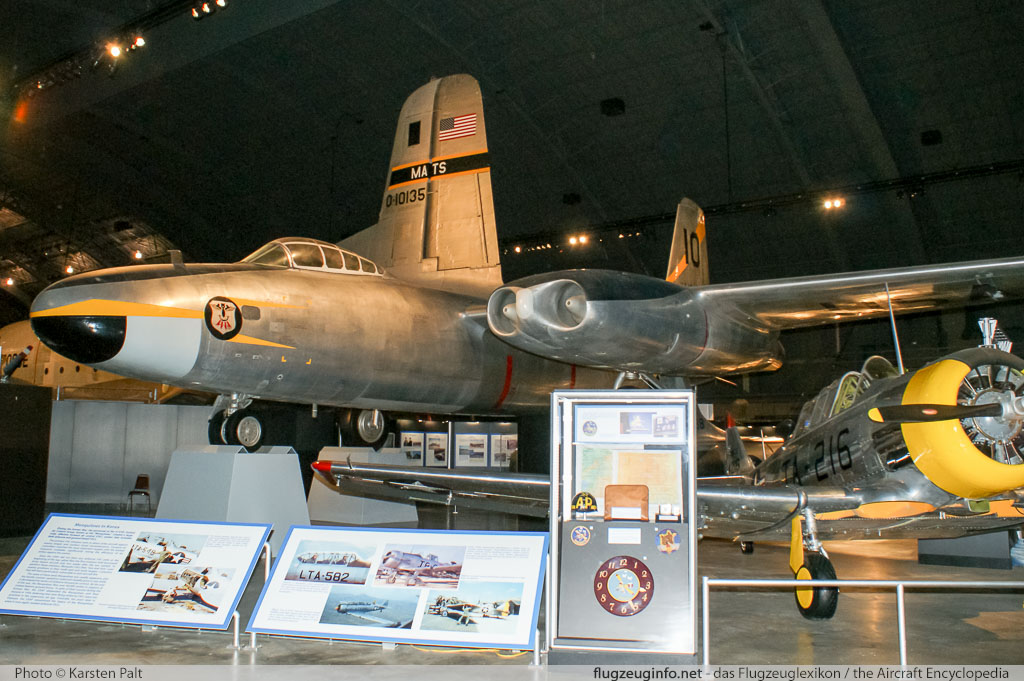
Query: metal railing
[[899, 585]]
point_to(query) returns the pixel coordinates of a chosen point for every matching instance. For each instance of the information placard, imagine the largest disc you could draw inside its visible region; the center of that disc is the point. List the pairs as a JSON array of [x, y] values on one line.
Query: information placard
[[467, 589], [134, 570]]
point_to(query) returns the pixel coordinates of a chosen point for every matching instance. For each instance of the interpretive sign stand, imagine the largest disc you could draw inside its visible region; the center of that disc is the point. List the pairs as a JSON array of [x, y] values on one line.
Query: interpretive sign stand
[[466, 589], [622, 578], [134, 570]]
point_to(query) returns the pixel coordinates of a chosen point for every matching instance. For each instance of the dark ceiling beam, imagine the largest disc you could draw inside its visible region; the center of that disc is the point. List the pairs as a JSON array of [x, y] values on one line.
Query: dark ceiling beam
[[858, 112], [902, 187]]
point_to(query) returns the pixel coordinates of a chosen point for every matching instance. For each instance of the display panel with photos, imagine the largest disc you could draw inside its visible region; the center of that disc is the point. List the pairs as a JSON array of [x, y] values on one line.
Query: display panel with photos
[[134, 570], [412, 446], [472, 589], [630, 445], [436, 452]]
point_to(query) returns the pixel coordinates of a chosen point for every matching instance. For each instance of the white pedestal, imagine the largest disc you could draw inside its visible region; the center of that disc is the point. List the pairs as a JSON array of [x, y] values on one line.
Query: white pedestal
[[224, 483]]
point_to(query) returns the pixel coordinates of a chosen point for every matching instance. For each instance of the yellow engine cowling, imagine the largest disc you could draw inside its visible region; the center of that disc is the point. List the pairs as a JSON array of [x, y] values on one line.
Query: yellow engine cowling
[[941, 449]]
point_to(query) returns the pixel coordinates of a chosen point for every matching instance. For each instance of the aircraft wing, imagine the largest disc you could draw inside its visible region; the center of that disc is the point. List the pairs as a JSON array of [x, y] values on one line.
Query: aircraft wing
[[371, 618], [516, 493], [820, 299], [729, 507]]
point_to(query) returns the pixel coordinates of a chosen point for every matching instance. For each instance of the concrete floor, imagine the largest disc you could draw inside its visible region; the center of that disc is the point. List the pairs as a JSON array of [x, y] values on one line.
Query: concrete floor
[[747, 627]]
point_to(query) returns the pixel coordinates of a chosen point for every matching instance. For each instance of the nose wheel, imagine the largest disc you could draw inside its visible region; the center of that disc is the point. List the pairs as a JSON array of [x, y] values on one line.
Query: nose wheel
[[243, 427]]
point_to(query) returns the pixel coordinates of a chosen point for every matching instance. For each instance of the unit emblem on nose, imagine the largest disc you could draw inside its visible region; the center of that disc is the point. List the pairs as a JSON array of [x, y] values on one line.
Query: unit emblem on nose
[[223, 318]]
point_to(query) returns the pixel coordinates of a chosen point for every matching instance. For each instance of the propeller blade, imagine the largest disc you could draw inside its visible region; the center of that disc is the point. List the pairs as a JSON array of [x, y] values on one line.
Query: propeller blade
[[924, 413]]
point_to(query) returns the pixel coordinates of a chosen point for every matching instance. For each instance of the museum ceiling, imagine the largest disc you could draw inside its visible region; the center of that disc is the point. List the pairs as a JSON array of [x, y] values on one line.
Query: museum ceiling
[[267, 119]]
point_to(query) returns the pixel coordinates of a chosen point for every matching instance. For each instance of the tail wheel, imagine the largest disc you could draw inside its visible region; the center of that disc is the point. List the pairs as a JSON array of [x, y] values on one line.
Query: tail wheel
[[746, 547], [817, 603], [215, 424]]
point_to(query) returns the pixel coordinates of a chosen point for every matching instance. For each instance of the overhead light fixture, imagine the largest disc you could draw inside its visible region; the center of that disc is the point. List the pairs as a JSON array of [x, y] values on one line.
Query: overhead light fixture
[[572, 240], [114, 49], [833, 203], [69, 269], [138, 255], [139, 41], [222, 3], [10, 281], [583, 238], [518, 249]]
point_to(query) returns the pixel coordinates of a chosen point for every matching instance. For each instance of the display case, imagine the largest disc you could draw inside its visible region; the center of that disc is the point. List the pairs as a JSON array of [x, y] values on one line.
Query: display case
[[622, 577]]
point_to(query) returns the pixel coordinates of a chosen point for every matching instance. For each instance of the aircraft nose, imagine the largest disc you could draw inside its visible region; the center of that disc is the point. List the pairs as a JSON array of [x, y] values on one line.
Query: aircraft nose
[[80, 338]]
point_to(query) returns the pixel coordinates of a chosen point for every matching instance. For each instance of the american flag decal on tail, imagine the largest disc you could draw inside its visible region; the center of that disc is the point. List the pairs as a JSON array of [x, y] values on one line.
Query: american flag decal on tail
[[457, 126]]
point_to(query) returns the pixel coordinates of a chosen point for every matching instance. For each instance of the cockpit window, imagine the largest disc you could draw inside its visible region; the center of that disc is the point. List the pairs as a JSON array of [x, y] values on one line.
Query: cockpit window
[[311, 254], [271, 254], [306, 255], [333, 257]]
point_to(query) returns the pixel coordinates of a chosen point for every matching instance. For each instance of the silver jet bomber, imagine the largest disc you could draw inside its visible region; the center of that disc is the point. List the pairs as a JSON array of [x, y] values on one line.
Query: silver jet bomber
[[411, 315]]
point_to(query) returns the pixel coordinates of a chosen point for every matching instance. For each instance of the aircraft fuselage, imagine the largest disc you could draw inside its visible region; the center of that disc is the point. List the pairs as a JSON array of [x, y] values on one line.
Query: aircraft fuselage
[[297, 336]]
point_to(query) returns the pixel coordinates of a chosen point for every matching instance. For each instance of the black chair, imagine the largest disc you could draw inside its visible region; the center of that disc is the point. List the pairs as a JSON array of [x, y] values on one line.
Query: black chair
[[141, 490]]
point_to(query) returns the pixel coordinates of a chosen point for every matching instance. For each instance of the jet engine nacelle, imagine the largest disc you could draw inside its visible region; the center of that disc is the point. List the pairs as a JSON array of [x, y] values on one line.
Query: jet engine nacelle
[[588, 317]]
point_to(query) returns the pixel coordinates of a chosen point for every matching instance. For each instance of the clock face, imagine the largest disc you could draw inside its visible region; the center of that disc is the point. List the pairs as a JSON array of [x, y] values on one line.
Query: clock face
[[623, 586]]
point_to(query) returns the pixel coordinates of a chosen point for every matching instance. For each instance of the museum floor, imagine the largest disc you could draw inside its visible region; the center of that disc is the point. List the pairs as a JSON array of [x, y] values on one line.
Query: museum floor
[[756, 627]]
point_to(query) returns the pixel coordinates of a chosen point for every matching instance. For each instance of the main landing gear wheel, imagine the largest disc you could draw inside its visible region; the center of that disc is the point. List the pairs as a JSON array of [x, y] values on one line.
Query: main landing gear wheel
[[244, 428], [746, 547], [364, 428], [818, 603]]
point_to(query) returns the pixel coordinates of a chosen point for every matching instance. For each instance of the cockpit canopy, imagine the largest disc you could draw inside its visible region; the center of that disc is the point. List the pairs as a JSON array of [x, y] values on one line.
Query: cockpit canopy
[[311, 254], [840, 394]]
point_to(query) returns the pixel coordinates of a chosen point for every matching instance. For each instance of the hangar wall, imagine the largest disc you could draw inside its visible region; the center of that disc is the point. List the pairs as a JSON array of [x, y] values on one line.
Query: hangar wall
[[98, 448]]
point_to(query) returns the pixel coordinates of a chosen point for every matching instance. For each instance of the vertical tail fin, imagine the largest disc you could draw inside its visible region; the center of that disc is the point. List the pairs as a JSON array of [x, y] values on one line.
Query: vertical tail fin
[[436, 225], [688, 259]]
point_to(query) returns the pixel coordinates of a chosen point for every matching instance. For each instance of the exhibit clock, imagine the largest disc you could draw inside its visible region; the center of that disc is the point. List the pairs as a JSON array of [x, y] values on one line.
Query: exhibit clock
[[623, 586]]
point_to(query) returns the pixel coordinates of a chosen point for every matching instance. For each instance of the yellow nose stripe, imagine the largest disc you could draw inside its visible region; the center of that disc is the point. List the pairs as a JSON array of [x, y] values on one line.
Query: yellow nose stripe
[[96, 307]]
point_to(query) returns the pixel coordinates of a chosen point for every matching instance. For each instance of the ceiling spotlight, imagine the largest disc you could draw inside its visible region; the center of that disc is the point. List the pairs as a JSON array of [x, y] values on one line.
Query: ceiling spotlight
[[114, 49], [69, 269], [222, 3], [9, 281], [518, 249], [583, 238], [572, 240], [138, 255], [138, 42], [833, 203], [196, 14], [206, 8]]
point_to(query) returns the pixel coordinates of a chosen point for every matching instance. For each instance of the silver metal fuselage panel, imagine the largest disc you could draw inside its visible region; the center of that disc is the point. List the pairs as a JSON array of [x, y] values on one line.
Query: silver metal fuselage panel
[[326, 338]]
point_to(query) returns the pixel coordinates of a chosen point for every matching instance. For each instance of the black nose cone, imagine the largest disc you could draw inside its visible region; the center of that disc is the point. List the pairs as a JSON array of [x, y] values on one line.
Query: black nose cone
[[88, 340]]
